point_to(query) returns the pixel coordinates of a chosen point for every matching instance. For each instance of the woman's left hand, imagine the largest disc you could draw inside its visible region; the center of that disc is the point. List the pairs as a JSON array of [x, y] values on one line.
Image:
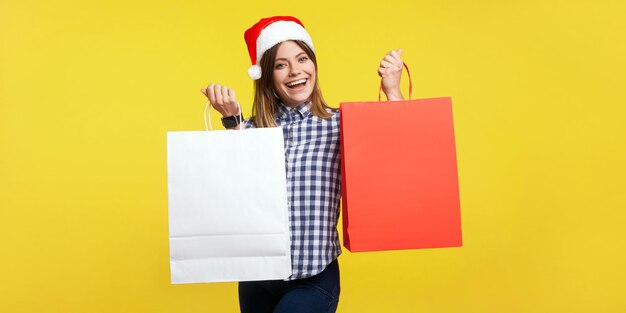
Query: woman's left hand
[[390, 70]]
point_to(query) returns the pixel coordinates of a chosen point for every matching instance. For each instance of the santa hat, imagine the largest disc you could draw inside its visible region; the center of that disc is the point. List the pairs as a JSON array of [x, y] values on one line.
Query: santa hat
[[269, 32]]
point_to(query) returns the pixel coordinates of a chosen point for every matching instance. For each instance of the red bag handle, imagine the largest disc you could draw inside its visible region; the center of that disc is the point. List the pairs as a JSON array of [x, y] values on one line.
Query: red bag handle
[[380, 89]]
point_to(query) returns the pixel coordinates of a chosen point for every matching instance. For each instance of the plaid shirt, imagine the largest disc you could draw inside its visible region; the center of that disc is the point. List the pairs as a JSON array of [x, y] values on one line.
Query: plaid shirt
[[313, 187]]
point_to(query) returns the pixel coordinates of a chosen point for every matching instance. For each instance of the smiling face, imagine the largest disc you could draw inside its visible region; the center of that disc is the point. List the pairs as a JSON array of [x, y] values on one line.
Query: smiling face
[[294, 74]]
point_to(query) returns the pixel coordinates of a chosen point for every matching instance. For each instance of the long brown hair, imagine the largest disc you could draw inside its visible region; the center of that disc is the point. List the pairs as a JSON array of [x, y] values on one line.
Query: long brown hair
[[265, 105]]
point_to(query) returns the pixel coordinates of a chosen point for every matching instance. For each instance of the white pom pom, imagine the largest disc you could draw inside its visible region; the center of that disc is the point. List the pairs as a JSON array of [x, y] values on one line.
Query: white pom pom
[[254, 72]]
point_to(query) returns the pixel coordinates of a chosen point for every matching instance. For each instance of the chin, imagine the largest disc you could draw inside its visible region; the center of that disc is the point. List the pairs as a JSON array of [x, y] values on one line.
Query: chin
[[296, 99]]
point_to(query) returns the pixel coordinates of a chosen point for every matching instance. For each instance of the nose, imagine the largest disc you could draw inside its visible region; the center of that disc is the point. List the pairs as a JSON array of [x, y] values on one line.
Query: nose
[[294, 69]]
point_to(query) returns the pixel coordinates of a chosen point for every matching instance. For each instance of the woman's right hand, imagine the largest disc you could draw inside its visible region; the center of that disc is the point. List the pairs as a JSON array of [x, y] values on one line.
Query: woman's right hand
[[223, 99]]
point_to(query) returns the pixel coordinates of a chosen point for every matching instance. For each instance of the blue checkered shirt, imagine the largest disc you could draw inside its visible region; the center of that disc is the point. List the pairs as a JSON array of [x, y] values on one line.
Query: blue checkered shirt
[[313, 187]]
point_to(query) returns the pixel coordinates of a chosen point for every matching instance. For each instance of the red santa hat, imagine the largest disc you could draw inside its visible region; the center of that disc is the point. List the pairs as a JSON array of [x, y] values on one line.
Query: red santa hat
[[269, 32]]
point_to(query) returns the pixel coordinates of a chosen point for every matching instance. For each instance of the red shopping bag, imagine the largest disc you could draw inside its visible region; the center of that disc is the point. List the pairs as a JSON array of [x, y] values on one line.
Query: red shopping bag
[[399, 179]]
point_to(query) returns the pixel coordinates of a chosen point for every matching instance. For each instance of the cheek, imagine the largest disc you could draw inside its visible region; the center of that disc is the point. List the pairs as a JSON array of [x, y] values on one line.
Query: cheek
[[312, 70], [278, 77], [276, 82]]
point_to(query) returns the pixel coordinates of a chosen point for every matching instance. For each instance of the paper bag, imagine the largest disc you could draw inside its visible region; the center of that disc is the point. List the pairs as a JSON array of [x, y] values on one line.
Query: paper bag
[[399, 172], [228, 214]]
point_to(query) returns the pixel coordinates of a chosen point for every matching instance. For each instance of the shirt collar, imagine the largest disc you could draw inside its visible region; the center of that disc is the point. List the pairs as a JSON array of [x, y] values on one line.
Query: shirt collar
[[302, 109]]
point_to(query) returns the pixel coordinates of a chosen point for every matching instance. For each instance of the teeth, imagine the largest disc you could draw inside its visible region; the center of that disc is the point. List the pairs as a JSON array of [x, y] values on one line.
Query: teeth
[[301, 81]]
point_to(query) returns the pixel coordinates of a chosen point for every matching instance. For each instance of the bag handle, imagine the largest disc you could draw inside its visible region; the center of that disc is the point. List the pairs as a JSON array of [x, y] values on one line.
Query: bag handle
[[207, 108], [380, 89]]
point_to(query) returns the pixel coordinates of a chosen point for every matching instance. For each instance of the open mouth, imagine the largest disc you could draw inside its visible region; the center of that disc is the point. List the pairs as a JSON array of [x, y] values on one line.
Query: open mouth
[[297, 83]]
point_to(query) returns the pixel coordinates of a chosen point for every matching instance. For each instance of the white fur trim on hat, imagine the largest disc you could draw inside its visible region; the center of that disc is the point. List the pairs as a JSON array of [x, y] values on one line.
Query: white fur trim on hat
[[278, 32], [254, 72]]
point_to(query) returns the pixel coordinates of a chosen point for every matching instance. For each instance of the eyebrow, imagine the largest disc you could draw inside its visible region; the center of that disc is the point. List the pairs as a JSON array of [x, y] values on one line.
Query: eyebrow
[[285, 59]]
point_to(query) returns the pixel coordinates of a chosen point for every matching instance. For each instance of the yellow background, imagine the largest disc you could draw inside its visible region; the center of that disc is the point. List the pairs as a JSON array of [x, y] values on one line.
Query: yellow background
[[88, 90]]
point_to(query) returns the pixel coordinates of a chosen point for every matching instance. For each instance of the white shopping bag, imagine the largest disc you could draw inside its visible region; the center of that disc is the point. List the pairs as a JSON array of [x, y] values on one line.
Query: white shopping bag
[[228, 213]]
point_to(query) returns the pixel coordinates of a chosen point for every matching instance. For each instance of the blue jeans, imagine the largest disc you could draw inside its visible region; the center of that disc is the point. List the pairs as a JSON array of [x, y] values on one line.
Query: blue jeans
[[317, 294]]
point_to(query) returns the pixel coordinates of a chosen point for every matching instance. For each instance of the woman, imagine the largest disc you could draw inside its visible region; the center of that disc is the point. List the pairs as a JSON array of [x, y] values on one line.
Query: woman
[[287, 95]]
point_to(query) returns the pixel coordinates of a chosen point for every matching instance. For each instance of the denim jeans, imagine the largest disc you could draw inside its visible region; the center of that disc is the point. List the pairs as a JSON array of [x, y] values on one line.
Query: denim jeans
[[317, 294]]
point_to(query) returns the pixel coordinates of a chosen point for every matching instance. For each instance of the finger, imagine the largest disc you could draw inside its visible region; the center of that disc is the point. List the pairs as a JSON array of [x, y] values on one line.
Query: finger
[[396, 56], [386, 65], [232, 95], [211, 93], [393, 67], [233, 99], [389, 58], [225, 96], [219, 99], [396, 61], [383, 73], [205, 91]]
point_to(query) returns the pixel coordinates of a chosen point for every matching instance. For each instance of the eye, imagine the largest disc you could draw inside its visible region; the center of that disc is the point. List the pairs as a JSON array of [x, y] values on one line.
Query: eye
[[279, 66], [303, 58]]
